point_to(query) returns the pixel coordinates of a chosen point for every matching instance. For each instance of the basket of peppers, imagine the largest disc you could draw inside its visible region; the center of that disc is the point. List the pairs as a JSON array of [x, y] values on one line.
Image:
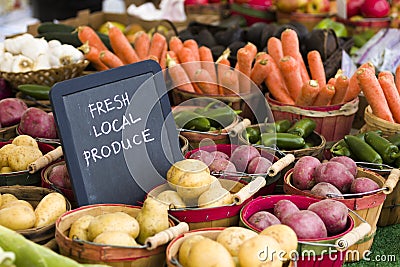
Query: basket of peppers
[[287, 137]]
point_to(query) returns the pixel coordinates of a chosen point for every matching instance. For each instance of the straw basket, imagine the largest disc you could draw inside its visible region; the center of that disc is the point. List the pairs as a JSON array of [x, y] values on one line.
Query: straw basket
[[323, 248], [116, 256], [46, 76], [367, 207], [333, 122], [8, 133], [24, 177], [373, 123], [33, 195]]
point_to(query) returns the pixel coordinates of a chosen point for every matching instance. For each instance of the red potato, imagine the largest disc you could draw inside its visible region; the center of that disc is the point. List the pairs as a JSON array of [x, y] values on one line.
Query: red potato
[[38, 123], [333, 213], [11, 110], [242, 155], [348, 162], [306, 224], [203, 156], [323, 188], [221, 165], [259, 165], [284, 208], [334, 173], [303, 172], [362, 185], [262, 219], [219, 155], [59, 176]]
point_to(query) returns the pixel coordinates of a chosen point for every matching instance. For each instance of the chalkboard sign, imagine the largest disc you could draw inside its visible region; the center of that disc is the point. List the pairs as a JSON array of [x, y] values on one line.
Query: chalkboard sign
[[117, 131]]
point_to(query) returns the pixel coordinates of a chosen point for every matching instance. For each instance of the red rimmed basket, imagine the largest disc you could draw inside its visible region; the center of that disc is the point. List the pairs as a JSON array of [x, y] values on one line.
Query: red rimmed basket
[[7, 133]]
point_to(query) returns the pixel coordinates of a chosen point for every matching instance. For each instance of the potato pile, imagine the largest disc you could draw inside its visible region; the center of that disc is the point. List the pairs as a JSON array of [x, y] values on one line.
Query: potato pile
[[237, 246], [17, 155], [18, 214], [120, 228], [192, 185]]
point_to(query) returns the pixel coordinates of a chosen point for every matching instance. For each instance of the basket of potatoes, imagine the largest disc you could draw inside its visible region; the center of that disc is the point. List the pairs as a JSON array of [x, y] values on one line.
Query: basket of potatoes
[[31, 211], [15, 157]]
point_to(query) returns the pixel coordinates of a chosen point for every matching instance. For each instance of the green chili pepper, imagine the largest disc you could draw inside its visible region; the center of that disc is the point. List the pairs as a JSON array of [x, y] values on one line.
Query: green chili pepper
[[394, 139], [308, 145], [282, 126], [39, 92], [192, 121], [219, 117], [341, 149], [362, 150], [362, 135], [384, 147], [252, 134], [396, 163], [303, 127], [285, 141]]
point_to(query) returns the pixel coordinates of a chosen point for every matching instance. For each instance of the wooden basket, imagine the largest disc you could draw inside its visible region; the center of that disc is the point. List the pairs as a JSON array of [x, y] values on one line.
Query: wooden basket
[[184, 144], [373, 123], [367, 207], [33, 195], [390, 213], [8, 133], [116, 256], [31, 102]]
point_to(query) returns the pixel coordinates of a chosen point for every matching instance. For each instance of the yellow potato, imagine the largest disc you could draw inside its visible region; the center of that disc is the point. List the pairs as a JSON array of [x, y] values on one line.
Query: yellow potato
[[25, 140], [1, 199], [233, 237], [17, 202], [79, 228], [171, 198], [215, 197], [114, 221], [5, 198], [17, 217], [48, 210], [285, 236], [116, 238], [21, 156], [185, 248], [6, 169], [210, 252], [260, 250], [4, 152]]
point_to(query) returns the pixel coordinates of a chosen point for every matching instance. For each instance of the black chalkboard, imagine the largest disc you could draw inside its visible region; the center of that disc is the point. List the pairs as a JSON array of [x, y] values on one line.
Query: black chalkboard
[[117, 132]]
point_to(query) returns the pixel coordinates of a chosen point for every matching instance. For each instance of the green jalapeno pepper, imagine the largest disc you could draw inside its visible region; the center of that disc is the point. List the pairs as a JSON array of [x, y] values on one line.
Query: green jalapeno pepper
[[39, 92], [362, 150], [384, 147], [394, 139], [341, 149], [285, 141], [252, 134], [281, 126], [219, 117], [303, 127], [192, 121]]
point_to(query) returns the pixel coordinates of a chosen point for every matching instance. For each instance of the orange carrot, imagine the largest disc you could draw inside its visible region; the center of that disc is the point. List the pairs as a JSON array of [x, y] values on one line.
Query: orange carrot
[[251, 48], [193, 45], [175, 44], [163, 59], [373, 93], [229, 80], [142, 44], [88, 34], [207, 62], [172, 55], [258, 72], [387, 82], [179, 76], [153, 57], [92, 54], [276, 84], [274, 47], [289, 67], [223, 65], [397, 78], [121, 46], [190, 65], [205, 82], [341, 85], [110, 59], [291, 47], [325, 95], [316, 67], [157, 45], [244, 65], [308, 93], [332, 81], [354, 89]]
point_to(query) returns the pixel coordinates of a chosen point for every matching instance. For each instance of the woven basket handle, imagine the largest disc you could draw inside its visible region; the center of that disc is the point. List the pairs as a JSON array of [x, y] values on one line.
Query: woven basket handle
[[391, 181], [281, 164], [239, 127], [165, 236], [249, 190], [352, 237], [45, 160]]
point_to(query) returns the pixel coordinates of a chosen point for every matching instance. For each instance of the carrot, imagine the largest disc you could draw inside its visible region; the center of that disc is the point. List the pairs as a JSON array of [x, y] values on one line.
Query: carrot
[[163, 59], [175, 44], [207, 62], [223, 65], [92, 54], [244, 64], [341, 85], [205, 82], [142, 44], [387, 82], [121, 46], [179, 76], [229, 80], [251, 48], [291, 47], [316, 67], [88, 34], [157, 44], [325, 95], [332, 81], [172, 55], [354, 89], [258, 72], [397, 78], [291, 75], [193, 45], [190, 65], [308, 93], [373, 92], [110, 59], [276, 84], [274, 47]]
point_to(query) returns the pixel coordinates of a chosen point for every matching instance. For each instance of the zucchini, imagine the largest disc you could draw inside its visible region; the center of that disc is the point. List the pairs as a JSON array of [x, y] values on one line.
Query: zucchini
[[54, 27]]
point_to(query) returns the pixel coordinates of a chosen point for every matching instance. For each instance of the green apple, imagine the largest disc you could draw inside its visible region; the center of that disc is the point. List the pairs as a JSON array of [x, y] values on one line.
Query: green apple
[[289, 6], [106, 25], [338, 27]]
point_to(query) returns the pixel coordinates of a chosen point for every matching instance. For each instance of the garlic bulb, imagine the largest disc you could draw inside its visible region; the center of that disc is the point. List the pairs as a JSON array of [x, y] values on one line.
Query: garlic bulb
[[22, 63], [15, 44], [42, 62], [6, 62], [35, 47], [67, 54]]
